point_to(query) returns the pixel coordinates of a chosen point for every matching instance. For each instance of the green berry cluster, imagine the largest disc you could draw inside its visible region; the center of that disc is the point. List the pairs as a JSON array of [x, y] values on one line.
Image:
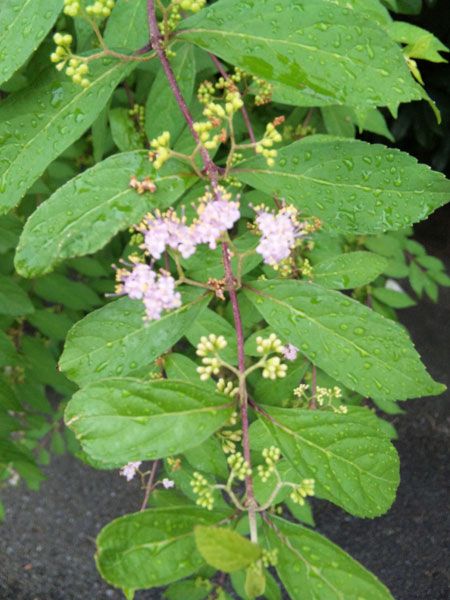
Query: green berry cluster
[[78, 70], [269, 557], [138, 113], [62, 51], [202, 488], [301, 491], [271, 457], [239, 466], [72, 8], [100, 8]]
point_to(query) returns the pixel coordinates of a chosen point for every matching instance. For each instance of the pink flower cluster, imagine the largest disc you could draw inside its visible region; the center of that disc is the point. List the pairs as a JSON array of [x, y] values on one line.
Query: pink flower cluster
[[214, 216], [156, 290], [279, 233], [129, 470], [290, 352]]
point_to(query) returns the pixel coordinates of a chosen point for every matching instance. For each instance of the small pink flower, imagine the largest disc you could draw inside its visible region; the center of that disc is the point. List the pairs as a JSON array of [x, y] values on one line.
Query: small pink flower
[[290, 352], [168, 483], [279, 233], [129, 470], [156, 290], [215, 217]]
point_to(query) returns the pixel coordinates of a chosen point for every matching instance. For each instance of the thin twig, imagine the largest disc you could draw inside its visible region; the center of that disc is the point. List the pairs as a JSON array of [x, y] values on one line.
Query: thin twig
[[150, 485]]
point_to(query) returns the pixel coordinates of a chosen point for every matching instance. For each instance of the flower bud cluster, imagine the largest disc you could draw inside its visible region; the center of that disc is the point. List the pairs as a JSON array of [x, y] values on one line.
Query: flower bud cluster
[[280, 233], [228, 439], [161, 152], [271, 457], [269, 557], [264, 91], [326, 396], [208, 349], [192, 5], [227, 388], [269, 345], [271, 136], [77, 71], [239, 466], [100, 8], [156, 290], [62, 51], [301, 491], [203, 489], [138, 113], [72, 8], [272, 367]]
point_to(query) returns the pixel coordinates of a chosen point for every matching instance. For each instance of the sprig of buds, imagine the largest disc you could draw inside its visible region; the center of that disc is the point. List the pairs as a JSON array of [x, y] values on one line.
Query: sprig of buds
[[204, 491], [240, 469], [208, 349], [271, 457], [302, 491]]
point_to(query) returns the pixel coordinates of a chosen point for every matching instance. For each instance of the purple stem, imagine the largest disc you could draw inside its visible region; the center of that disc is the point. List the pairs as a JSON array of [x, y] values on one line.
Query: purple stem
[[212, 173], [157, 44]]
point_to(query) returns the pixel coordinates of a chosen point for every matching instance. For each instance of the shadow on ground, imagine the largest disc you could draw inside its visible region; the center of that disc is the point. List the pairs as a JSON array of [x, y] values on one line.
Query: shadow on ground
[[47, 542]]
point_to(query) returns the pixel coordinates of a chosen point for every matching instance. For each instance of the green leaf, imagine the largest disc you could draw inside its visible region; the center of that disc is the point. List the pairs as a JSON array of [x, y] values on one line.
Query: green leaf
[[272, 591], [8, 353], [353, 463], [408, 7], [128, 25], [41, 365], [146, 420], [161, 110], [178, 366], [374, 121], [339, 120], [366, 352], [13, 300], [152, 548], [333, 51], [313, 568], [350, 270], [255, 581], [37, 124], [23, 25], [115, 340], [281, 391], [393, 298], [431, 263], [440, 278], [208, 457], [59, 289], [225, 549], [352, 186], [198, 589], [86, 212], [420, 43], [123, 130], [10, 228]]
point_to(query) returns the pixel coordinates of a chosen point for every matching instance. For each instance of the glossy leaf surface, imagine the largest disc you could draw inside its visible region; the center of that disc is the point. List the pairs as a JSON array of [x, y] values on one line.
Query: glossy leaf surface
[[351, 186], [118, 421], [115, 340], [366, 352]]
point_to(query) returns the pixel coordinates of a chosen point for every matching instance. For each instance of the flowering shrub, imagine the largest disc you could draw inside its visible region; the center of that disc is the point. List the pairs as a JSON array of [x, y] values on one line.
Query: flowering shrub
[[256, 247]]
